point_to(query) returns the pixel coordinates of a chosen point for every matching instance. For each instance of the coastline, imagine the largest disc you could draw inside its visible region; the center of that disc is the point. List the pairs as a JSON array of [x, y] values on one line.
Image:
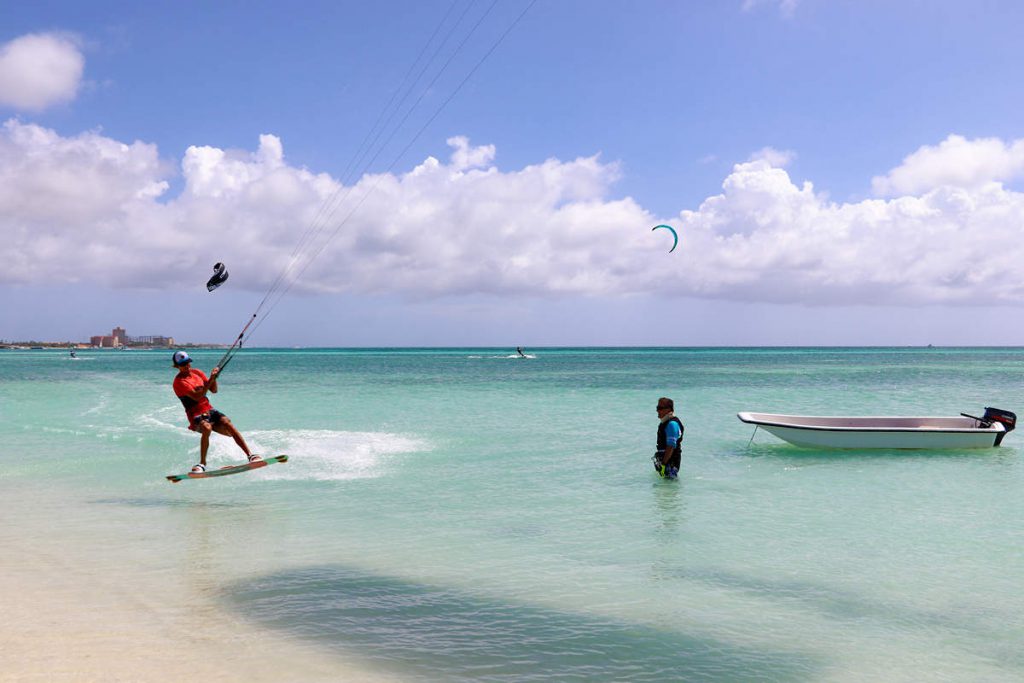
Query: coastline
[[74, 613]]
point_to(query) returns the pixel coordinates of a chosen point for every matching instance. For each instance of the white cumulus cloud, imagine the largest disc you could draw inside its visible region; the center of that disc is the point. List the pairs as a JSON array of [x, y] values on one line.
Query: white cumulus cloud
[[767, 239], [775, 157], [92, 209], [39, 70], [955, 162]]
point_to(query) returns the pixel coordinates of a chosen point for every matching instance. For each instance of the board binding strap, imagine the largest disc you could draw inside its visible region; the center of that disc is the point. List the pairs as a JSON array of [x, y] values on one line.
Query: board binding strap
[[230, 469]]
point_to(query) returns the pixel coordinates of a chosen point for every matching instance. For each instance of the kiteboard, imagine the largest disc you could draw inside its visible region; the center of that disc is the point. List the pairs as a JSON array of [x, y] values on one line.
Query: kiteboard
[[230, 469]]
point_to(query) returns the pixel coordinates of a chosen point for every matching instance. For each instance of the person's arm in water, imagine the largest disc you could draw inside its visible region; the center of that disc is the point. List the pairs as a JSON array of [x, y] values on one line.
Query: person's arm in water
[[672, 442]]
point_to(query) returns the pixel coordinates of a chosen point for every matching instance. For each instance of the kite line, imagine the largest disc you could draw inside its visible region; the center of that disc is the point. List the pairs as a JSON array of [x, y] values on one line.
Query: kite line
[[322, 230]]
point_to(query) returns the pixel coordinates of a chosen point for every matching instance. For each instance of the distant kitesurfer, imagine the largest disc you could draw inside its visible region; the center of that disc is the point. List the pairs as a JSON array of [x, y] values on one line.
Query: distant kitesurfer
[[667, 460], [191, 386], [519, 350]]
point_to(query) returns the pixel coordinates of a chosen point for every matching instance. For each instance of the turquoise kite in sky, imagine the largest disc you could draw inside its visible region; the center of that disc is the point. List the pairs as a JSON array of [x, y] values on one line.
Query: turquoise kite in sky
[[672, 230]]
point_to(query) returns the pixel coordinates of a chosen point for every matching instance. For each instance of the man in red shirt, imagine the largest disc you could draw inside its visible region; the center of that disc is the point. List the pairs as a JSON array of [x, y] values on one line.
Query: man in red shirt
[[191, 386]]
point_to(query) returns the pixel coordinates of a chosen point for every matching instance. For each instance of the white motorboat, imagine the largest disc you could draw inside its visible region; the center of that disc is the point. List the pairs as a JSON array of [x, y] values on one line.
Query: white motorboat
[[812, 431]]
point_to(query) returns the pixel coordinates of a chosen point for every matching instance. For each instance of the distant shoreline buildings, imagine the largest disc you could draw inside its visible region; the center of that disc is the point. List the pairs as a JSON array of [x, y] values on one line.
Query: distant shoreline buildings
[[118, 338]]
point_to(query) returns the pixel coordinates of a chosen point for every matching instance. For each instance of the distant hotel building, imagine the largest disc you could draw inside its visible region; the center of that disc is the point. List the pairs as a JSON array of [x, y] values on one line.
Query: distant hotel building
[[118, 338]]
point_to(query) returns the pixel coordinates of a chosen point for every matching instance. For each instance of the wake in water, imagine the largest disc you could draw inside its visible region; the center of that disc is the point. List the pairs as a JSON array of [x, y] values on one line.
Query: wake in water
[[317, 454], [314, 454], [329, 455]]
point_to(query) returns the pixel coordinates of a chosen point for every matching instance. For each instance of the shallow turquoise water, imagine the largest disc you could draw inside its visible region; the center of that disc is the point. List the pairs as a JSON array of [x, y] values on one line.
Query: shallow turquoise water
[[457, 514]]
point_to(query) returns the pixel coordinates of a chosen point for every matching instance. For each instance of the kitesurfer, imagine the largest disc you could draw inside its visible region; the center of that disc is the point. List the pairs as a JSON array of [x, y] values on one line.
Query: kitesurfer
[[191, 386], [667, 460], [519, 350]]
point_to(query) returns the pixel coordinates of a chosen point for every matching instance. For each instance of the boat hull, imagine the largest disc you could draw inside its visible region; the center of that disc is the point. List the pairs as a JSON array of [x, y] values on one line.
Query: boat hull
[[878, 433]]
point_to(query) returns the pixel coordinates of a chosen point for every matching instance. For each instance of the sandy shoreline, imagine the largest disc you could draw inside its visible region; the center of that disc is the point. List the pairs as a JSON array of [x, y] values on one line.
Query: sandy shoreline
[[68, 617]]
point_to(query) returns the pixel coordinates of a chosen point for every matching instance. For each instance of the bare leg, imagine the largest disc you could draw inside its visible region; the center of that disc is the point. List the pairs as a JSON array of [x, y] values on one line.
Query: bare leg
[[204, 441], [227, 429]]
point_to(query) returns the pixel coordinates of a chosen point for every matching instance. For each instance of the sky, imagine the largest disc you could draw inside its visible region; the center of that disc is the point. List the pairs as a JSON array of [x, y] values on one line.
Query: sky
[[455, 173]]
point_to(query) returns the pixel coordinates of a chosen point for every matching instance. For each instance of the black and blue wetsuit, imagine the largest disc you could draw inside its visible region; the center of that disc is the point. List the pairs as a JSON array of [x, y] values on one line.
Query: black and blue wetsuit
[[666, 434]]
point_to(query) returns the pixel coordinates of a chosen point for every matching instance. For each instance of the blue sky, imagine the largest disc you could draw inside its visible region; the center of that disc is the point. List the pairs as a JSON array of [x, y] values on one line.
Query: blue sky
[[839, 172]]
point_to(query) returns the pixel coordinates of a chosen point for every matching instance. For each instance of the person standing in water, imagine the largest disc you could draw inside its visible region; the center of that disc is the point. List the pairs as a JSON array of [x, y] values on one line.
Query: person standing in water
[[191, 387], [519, 350], [667, 459]]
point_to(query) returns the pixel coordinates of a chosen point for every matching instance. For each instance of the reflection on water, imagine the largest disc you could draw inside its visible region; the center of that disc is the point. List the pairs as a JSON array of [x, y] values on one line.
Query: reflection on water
[[669, 502]]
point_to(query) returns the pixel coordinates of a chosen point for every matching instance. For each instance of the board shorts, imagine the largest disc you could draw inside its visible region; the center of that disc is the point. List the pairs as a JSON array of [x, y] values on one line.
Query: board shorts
[[213, 417]]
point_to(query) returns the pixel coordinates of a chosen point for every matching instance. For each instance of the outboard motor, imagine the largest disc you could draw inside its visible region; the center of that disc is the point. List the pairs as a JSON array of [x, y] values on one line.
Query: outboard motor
[[1004, 417]]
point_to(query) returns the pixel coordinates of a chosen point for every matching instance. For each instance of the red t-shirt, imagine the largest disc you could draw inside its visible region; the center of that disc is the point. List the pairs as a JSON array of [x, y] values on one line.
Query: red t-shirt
[[186, 383]]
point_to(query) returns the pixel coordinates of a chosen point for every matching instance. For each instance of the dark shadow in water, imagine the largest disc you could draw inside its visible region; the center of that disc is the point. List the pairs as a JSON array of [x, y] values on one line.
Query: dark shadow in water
[[169, 503], [427, 633]]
